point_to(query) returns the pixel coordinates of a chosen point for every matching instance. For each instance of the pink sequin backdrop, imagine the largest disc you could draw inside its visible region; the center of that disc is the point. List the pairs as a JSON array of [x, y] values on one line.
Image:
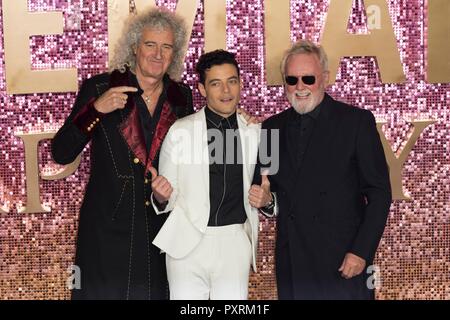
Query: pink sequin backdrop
[[37, 249]]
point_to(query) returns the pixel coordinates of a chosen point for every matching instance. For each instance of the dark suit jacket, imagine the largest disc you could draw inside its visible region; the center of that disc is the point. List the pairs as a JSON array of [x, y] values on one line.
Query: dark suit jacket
[[336, 202], [116, 223]]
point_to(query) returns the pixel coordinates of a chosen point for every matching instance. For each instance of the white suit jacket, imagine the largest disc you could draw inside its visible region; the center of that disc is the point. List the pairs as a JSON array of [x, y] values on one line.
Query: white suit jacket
[[184, 162]]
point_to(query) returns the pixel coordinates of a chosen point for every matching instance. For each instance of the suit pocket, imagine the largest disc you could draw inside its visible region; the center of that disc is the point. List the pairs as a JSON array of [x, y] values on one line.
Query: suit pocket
[[115, 213], [247, 250]]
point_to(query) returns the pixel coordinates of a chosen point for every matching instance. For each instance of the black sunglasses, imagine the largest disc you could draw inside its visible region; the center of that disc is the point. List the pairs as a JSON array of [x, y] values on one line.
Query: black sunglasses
[[308, 80]]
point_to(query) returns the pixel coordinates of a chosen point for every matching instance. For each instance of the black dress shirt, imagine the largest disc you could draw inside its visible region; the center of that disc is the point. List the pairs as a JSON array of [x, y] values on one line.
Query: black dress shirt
[[225, 173], [300, 128], [148, 122]]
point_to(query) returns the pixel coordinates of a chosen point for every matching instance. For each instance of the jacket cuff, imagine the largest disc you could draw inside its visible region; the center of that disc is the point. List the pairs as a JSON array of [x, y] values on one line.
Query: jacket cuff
[[273, 211], [159, 208], [87, 119]]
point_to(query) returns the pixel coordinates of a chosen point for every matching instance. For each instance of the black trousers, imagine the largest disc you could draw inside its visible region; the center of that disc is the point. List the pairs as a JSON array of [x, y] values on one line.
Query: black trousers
[[284, 273]]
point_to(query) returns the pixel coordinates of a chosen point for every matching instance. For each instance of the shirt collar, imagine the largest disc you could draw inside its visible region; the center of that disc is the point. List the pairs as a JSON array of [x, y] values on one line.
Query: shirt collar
[[315, 113], [217, 119]]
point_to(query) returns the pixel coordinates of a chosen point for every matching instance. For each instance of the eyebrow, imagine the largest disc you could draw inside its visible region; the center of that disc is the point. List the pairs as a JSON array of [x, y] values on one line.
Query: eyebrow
[[230, 78], [164, 44]]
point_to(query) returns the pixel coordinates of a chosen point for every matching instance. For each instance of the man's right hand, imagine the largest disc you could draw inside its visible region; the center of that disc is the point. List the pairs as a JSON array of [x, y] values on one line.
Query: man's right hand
[[161, 187], [113, 99]]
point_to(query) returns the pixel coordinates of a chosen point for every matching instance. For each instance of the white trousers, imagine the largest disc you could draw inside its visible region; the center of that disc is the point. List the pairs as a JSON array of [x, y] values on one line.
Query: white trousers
[[217, 269]]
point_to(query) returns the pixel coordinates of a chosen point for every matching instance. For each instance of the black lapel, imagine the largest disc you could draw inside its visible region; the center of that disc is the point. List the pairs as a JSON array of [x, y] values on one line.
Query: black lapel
[[286, 163], [290, 152]]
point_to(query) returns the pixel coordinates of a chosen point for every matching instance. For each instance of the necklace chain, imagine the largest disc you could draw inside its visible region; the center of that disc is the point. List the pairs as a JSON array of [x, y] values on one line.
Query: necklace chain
[[148, 98]]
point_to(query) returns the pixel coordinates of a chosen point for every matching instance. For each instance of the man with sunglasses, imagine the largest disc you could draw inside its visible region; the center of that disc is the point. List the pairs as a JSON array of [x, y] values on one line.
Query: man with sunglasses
[[332, 186]]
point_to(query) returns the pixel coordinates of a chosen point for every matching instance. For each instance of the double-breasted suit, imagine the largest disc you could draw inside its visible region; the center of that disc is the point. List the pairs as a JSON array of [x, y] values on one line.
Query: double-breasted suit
[[334, 202]]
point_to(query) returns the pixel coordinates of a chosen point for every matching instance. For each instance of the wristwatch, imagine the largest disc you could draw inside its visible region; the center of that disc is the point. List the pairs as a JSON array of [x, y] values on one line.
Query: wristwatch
[[271, 204]]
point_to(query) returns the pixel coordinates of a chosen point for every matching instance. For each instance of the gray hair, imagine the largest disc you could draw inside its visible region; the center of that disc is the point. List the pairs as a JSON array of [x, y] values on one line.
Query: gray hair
[[305, 47], [154, 18]]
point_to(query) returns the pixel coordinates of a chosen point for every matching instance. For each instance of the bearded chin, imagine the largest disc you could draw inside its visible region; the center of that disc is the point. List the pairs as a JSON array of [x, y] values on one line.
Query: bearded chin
[[301, 109]]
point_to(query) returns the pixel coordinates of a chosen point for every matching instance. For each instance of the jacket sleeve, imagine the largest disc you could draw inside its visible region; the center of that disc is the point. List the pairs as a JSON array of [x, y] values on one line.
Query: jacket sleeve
[[168, 168], [375, 186], [77, 130]]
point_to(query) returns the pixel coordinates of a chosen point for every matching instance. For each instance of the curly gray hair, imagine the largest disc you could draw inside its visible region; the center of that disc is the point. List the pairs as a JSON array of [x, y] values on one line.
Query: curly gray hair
[[154, 18], [306, 47]]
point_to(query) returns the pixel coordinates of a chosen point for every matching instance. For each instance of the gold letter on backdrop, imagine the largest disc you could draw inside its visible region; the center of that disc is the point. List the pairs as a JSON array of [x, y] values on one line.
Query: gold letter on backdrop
[[18, 25], [118, 11], [31, 142], [438, 41], [380, 43], [373, 17], [396, 160], [277, 26], [215, 24]]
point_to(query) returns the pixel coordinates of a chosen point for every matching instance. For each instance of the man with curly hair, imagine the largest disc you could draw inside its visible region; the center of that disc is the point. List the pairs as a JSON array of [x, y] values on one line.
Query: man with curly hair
[[126, 113]]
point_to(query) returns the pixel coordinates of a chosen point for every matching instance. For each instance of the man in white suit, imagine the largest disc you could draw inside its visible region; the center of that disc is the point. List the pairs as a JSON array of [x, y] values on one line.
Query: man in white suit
[[206, 168]]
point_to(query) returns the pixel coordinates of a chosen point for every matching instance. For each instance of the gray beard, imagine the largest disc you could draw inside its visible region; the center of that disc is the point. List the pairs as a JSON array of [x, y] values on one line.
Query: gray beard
[[296, 105]]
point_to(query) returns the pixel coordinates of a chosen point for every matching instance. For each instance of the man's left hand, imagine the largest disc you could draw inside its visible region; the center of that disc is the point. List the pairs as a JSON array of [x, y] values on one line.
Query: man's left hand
[[248, 117], [352, 266], [260, 196]]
